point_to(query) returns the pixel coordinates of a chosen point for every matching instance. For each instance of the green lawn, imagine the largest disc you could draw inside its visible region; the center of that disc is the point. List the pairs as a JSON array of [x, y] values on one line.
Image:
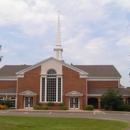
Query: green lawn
[[39, 123]]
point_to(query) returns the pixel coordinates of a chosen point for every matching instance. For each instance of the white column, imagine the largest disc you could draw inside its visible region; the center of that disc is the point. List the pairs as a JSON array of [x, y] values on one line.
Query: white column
[[56, 89], [45, 89]]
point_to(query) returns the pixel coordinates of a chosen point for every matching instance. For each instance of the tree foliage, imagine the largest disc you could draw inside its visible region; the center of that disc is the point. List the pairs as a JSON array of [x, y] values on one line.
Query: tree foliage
[[111, 100], [0, 56]]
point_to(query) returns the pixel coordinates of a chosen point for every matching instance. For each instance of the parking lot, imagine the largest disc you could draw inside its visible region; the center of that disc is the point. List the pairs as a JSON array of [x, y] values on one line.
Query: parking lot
[[121, 116]]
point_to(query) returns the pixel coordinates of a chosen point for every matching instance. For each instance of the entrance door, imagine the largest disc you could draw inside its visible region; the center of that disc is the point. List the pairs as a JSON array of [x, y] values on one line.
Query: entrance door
[[74, 103], [28, 102]]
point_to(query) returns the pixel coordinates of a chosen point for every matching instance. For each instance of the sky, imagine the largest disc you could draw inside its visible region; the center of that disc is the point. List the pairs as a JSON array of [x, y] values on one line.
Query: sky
[[93, 32]]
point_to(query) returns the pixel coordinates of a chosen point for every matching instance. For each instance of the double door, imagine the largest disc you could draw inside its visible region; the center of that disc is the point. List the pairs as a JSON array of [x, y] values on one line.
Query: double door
[[28, 102], [74, 103]]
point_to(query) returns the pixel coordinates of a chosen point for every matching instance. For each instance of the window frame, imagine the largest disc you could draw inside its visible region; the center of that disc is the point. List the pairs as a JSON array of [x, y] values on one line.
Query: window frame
[[45, 76], [13, 99]]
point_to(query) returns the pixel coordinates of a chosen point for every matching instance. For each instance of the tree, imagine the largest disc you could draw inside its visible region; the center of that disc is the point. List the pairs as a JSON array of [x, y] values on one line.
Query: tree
[[0, 56], [111, 100]]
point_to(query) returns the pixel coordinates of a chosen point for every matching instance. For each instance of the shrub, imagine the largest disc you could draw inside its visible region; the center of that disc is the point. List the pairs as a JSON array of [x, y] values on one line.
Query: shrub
[[1, 102], [89, 107], [2, 107], [64, 107], [61, 104], [45, 107], [36, 107], [6, 107], [124, 107], [50, 104], [8, 103], [111, 99]]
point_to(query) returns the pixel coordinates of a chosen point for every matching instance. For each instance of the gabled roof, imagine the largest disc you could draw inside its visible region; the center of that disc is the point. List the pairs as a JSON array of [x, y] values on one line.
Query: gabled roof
[[10, 70], [74, 93], [99, 70], [28, 93], [83, 73]]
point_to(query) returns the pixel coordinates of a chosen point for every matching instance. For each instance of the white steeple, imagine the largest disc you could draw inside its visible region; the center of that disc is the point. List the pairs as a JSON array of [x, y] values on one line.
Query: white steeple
[[58, 50]]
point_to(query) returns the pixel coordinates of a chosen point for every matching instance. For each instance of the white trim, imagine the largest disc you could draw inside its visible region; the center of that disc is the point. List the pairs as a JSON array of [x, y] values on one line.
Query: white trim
[[119, 84], [102, 94], [86, 92], [83, 76], [74, 94], [28, 101], [20, 76], [61, 89], [28, 93], [49, 101], [17, 95], [45, 89], [13, 100], [40, 89], [39, 64], [56, 89], [73, 104], [59, 76], [44, 75], [103, 79]]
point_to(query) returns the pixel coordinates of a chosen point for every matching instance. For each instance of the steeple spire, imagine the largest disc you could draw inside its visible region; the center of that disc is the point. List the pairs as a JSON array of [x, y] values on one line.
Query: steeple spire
[[58, 41], [58, 50]]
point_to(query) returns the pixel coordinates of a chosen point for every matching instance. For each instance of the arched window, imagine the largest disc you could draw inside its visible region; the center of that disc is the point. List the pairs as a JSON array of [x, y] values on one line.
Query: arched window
[[51, 71], [51, 87]]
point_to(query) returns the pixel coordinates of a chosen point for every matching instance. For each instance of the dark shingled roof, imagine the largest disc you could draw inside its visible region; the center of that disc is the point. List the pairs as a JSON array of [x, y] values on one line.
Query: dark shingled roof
[[93, 70], [10, 70], [9, 90], [99, 70], [103, 90]]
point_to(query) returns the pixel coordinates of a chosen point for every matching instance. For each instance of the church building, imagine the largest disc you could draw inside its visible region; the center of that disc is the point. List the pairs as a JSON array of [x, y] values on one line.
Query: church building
[[53, 80]]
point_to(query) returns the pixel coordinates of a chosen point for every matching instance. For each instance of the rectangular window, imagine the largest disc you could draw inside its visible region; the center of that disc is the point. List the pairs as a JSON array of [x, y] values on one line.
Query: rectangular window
[[1, 98], [13, 102], [51, 89], [43, 89], [59, 89]]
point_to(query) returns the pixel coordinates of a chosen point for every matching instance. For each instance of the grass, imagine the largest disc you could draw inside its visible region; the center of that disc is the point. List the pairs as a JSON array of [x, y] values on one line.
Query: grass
[[39, 123]]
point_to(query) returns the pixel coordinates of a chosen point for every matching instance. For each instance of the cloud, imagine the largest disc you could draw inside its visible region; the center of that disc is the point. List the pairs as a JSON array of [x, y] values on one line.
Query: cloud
[[30, 17], [95, 45], [125, 41], [123, 3]]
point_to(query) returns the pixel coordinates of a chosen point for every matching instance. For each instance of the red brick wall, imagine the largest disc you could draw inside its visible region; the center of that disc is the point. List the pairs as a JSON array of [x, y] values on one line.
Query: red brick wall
[[6, 84], [103, 84], [72, 81], [31, 81]]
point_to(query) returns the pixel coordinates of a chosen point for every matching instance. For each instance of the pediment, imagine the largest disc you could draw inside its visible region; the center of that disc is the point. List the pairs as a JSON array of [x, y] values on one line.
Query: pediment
[[74, 93], [82, 73], [28, 93]]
